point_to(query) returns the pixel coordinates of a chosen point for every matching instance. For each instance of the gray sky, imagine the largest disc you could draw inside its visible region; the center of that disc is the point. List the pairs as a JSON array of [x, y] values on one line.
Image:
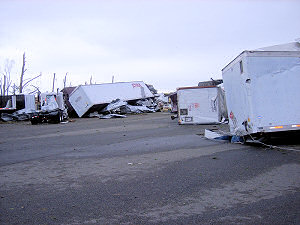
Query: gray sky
[[166, 43]]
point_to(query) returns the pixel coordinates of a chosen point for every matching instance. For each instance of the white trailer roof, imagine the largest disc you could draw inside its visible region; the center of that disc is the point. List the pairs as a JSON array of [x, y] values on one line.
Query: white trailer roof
[[292, 46], [105, 93], [282, 50], [262, 54]]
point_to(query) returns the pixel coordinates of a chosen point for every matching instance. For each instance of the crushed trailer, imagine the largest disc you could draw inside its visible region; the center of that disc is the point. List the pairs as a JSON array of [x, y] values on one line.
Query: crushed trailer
[[52, 109], [86, 99]]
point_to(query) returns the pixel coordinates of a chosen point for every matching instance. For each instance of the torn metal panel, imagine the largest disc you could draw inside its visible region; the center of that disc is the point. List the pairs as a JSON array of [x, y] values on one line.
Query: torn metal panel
[[109, 116], [114, 105], [216, 135], [138, 109]]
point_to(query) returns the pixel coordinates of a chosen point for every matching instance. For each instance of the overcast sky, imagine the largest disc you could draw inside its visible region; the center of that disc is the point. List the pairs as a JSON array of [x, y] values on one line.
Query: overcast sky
[[167, 43]]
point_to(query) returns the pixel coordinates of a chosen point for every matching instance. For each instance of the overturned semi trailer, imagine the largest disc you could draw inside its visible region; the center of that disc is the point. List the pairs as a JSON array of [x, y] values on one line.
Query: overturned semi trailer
[[86, 99], [262, 90], [201, 105]]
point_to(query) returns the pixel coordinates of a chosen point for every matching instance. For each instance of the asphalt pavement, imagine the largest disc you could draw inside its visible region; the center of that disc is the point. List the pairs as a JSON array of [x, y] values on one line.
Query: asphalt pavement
[[143, 169]]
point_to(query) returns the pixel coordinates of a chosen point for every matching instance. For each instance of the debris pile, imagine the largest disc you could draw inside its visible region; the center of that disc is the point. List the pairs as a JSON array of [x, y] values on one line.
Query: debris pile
[[20, 115], [117, 108], [52, 109], [17, 107]]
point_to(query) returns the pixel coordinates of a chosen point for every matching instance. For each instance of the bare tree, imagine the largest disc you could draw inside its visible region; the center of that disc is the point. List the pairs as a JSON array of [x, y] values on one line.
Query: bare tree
[[24, 82], [65, 80], [53, 82], [22, 74], [14, 89], [27, 81], [6, 81]]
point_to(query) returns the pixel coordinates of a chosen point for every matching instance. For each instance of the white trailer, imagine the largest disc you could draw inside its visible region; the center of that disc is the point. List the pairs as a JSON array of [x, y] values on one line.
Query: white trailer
[[90, 98], [198, 105], [262, 92]]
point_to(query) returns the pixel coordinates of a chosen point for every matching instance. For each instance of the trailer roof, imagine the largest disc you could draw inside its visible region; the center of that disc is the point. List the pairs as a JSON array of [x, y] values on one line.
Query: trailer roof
[[258, 53], [195, 87], [292, 46]]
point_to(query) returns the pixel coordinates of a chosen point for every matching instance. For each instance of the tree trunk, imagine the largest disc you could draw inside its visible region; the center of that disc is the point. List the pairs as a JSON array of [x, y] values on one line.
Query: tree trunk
[[53, 82], [22, 74]]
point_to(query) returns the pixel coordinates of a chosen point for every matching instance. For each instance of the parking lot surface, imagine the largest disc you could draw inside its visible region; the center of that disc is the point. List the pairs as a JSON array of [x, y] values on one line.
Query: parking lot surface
[[143, 169]]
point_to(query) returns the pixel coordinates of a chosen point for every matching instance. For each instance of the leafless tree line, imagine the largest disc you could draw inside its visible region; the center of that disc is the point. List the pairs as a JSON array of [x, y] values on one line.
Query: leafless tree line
[[6, 85]]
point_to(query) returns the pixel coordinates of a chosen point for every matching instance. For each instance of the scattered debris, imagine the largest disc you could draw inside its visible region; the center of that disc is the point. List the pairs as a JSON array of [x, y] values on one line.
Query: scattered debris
[[94, 114], [109, 116], [51, 106], [117, 108], [114, 106], [162, 101], [20, 115], [216, 135]]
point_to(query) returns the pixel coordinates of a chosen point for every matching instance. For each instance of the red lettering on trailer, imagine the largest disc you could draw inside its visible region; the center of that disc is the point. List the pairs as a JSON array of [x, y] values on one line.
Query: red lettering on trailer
[[231, 115], [134, 85]]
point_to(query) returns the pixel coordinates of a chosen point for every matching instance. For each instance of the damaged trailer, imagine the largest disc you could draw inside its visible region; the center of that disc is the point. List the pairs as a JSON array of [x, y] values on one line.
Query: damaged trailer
[[86, 99], [52, 109], [201, 105], [17, 107], [262, 91], [12, 103]]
